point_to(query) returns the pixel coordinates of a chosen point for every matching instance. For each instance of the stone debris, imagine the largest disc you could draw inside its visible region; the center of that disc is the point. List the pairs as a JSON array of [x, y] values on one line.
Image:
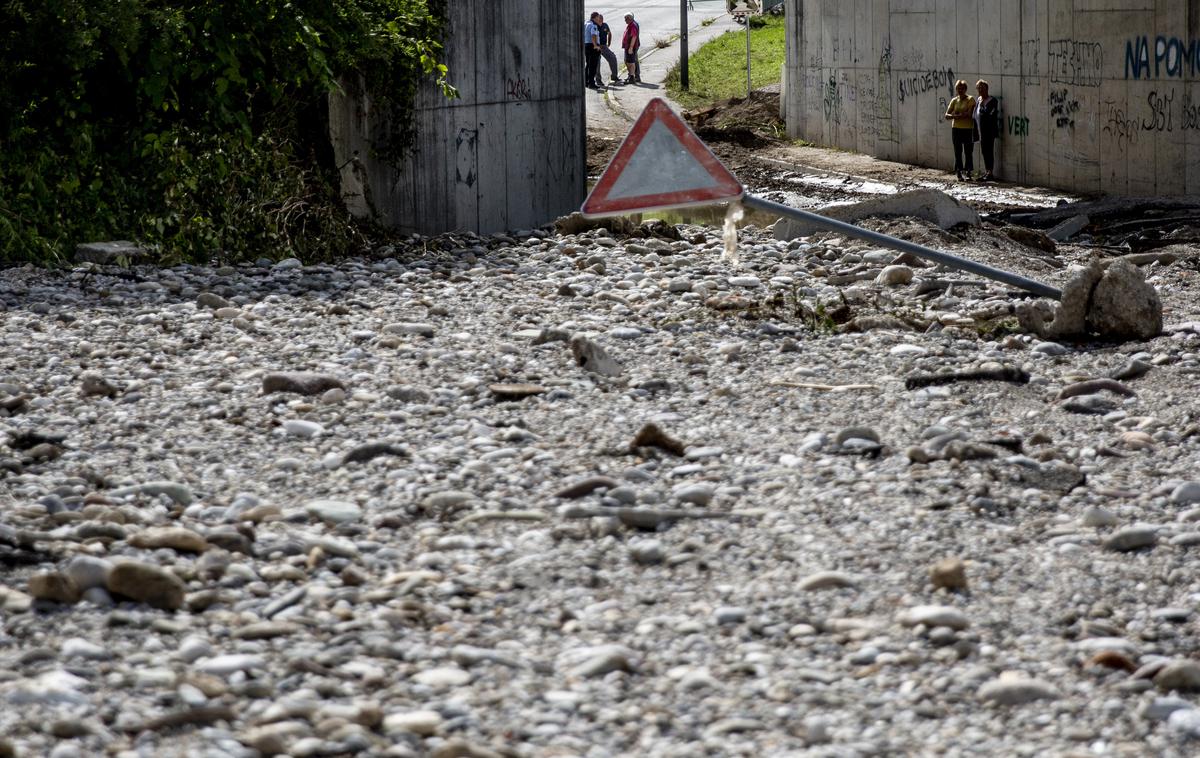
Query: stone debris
[[379, 507]]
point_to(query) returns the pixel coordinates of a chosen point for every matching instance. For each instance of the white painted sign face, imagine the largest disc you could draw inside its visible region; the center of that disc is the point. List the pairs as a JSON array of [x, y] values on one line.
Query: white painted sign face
[[661, 164]]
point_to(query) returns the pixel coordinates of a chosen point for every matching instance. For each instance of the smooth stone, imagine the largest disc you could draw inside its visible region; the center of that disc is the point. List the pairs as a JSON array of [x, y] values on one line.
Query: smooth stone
[[1017, 690], [1050, 348], [420, 330], [302, 428], [265, 630], [88, 571], [225, 665], [1162, 707], [729, 615], [334, 511], [586, 486], [647, 552], [1188, 492], [54, 587], [949, 573], [148, 584], [193, 648], [700, 494], [894, 276], [423, 723], [180, 493], [856, 433], [300, 383], [1095, 516], [171, 537], [515, 391], [934, 615], [442, 677], [1131, 538], [77, 647], [1182, 675], [1185, 721], [603, 659], [825, 580]]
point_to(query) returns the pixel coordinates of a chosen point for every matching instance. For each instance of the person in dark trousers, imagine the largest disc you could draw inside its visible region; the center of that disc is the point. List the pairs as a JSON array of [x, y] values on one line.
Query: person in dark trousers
[[591, 53], [961, 113], [630, 42], [987, 120], [605, 41]]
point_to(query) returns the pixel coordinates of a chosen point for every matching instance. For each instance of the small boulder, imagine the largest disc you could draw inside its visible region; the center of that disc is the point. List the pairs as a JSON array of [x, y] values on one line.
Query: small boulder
[[147, 584]]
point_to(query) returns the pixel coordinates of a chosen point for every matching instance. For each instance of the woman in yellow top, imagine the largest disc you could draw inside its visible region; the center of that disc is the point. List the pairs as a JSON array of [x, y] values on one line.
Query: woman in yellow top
[[961, 112]]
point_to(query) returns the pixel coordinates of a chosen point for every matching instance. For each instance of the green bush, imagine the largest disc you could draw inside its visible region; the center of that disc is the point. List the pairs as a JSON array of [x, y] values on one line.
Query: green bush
[[198, 127]]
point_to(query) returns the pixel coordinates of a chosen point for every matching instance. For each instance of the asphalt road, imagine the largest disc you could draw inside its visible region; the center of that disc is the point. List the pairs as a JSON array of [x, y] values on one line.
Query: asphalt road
[[659, 19]]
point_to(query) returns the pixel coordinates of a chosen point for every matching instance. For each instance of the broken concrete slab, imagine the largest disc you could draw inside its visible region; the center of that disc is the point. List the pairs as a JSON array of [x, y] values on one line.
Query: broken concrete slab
[[109, 253], [1107, 299], [931, 205], [1124, 306], [1069, 228]]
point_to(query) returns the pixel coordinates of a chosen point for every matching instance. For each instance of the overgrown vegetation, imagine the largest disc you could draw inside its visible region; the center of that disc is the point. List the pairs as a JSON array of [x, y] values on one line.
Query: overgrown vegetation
[[197, 127], [717, 70]]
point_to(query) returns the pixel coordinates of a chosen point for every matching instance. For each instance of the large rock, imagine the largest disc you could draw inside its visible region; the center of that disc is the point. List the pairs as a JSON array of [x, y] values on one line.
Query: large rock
[[932, 205], [590, 356], [1124, 306], [300, 382], [1109, 299], [147, 584]]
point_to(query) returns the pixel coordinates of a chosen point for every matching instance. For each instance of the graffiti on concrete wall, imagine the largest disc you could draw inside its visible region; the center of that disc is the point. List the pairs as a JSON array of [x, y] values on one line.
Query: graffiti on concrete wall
[[1119, 125], [831, 101], [1063, 107], [1018, 126], [882, 115], [1079, 64], [1165, 57], [912, 85], [518, 89], [1031, 61]]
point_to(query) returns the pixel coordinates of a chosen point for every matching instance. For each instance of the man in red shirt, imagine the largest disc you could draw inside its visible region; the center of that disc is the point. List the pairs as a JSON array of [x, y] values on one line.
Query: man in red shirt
[[630, 44]]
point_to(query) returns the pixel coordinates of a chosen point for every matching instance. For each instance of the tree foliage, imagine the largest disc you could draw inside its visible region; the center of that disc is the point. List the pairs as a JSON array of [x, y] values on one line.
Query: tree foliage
[[197, 126]]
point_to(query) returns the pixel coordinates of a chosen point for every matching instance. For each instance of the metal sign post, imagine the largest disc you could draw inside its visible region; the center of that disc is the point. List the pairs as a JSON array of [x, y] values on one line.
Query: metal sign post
[[742, 12], [663, 164], [683, 51]]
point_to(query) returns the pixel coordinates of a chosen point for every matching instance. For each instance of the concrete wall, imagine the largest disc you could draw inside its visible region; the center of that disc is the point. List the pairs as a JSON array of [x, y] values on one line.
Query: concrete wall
[[1096, 95], [509, 154]]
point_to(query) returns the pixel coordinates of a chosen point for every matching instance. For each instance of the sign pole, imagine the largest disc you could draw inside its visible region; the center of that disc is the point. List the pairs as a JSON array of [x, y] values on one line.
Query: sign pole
[[748, 87], [683, 51]]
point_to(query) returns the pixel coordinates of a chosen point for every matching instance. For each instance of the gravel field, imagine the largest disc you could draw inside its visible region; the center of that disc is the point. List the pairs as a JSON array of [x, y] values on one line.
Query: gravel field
[[593, 495]]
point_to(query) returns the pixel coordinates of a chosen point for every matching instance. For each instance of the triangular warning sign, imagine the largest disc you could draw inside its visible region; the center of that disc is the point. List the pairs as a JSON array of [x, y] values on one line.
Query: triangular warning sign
[[661, 164]]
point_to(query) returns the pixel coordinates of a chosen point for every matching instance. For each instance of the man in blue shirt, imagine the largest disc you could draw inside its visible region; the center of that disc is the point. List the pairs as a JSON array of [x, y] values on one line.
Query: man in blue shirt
[[591, 52], [606, 51]]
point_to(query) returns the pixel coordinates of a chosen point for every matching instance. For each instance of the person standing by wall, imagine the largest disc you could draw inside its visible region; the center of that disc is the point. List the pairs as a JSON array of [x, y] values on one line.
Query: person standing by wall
[[591, 53], [987, 120], [960, 112], [630, 42], [605, 41]]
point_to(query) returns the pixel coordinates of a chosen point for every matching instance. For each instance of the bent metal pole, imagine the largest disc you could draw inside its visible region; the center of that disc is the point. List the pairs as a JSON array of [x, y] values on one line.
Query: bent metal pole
[[946, 259]]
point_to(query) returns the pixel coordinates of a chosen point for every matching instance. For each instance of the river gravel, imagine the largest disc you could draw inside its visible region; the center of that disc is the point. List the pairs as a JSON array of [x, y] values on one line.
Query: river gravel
[[589, 495]]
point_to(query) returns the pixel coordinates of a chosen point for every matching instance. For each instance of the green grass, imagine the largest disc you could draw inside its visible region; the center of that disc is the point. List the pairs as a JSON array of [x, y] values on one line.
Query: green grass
[[718, 69]]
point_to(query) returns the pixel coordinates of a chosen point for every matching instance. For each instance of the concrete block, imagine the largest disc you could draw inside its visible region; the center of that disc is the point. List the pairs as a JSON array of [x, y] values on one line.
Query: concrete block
[[932, 205], [1069, 228], [109, 253]]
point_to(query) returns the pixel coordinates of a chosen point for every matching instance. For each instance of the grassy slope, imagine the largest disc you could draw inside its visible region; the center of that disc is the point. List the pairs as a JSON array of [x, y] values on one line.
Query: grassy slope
[[718, 69]]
